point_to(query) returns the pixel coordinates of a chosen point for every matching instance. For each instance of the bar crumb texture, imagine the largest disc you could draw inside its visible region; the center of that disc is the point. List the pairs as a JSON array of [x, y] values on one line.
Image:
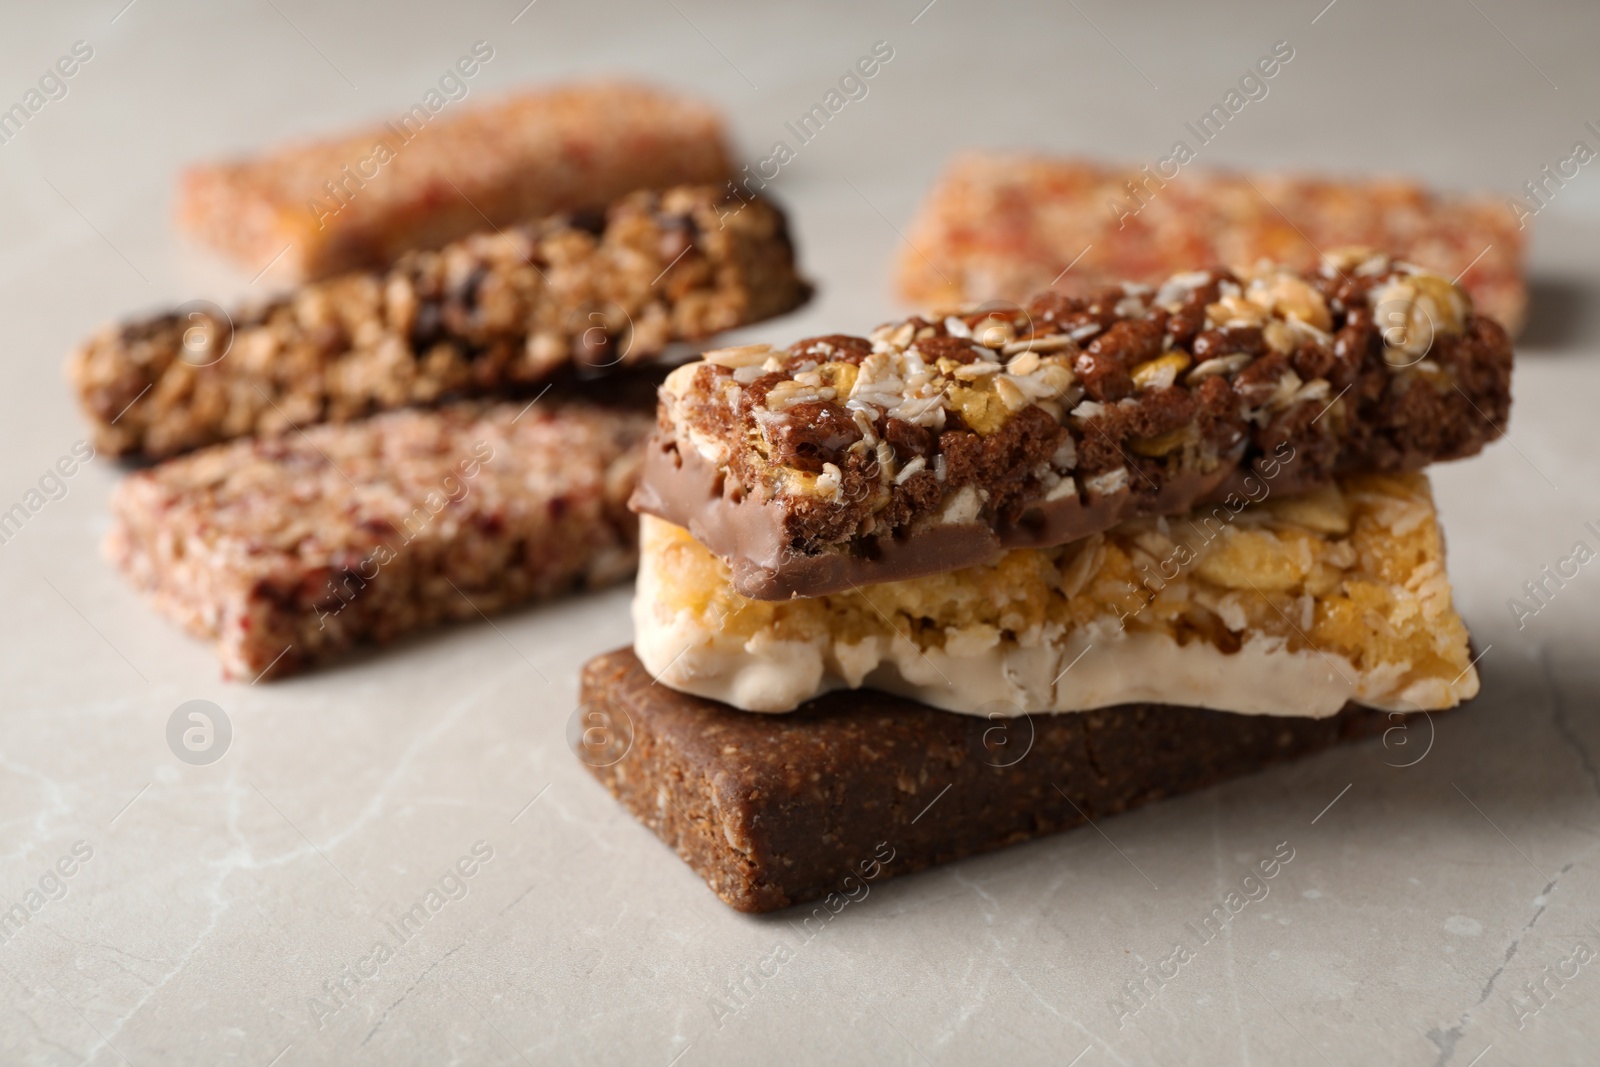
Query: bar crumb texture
[[289, 551], [494, 313], [777, 810], [439, 178]]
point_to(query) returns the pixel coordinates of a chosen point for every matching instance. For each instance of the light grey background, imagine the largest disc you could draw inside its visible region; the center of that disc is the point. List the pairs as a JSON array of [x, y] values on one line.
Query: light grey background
[[220, 898]]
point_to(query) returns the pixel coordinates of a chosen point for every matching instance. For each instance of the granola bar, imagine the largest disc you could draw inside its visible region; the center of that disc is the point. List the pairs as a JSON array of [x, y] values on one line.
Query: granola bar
[[1294, 606], [288, 551], [858, 786], [1009, 226], [938, 442], [359, 200], [496, 312]]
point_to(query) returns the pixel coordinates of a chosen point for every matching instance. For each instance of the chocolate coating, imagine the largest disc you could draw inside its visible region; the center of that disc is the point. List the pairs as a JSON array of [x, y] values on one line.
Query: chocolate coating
[[747, 530]]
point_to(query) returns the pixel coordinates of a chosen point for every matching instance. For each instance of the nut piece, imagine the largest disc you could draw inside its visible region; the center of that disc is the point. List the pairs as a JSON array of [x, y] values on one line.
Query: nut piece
[[1355, 259], [1161, 372], [1229, 364], [1234, 310], [1324, 510], [1410, 310], [1279, 336], [740, 356], [1013, 398], [994, 332], [1292, 298], [784, 395], [1026, 363]]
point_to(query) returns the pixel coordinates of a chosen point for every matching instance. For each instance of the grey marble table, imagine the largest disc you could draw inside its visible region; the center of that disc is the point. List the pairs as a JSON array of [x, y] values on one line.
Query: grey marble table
[[228, 913]]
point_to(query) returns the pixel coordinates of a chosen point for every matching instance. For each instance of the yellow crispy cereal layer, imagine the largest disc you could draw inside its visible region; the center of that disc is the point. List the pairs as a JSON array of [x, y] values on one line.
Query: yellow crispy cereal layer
[[1293, 606]]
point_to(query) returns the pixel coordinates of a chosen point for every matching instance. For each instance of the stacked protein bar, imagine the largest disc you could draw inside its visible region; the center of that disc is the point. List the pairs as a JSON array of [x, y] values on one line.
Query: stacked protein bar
[[377, 450], [1010, 569]]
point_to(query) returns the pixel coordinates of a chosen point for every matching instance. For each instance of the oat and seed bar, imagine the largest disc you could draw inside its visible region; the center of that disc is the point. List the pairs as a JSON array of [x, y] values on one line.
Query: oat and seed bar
[[1009, 226], [359, 200], [1292, 607], [858, 787], [494, 313], [287, 551], [937, 442]]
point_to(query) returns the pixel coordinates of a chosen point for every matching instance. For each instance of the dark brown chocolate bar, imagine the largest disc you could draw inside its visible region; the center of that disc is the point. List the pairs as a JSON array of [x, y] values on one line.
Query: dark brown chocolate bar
[[774, 810]]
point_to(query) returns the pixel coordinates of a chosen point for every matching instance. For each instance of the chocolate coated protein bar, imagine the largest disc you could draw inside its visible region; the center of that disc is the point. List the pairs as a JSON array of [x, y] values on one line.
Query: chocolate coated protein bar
[[937, 442]]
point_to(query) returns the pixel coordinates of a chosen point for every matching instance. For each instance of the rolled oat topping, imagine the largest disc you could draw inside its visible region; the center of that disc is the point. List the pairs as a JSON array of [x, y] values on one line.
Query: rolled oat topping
[[988, 415]]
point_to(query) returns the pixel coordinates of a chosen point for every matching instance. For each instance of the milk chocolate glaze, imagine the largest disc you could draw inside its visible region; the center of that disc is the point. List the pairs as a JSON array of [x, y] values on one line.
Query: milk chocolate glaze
[[746, 529]]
